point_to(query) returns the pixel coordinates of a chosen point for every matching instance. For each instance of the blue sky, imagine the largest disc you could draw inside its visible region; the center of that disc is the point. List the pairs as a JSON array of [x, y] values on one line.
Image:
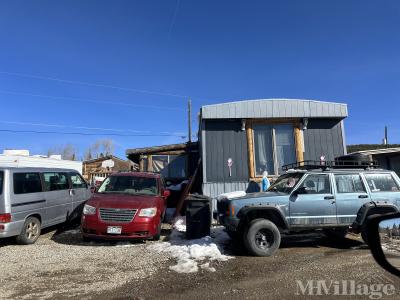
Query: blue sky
[[213, 51]]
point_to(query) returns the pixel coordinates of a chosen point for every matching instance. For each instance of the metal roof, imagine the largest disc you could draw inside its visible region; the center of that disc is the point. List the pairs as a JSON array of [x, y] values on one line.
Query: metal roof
[[165, 148], [377, 151], [275, 108]]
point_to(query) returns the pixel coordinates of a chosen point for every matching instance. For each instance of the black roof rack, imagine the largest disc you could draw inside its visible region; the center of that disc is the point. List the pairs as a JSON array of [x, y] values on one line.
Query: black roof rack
[[335, 164]]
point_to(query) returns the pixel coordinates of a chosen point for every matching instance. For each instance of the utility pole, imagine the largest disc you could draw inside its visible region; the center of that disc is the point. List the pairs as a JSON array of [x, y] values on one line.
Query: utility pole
[[385, 139], [190, 120]]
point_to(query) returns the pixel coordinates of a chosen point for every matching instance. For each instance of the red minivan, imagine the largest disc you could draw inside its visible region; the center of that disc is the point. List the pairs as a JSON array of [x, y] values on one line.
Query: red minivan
[[126, 206]]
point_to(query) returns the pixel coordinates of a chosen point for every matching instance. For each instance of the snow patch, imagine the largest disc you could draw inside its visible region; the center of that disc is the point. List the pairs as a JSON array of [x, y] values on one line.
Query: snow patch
[[180, 224], [231, 195], [192, 254]]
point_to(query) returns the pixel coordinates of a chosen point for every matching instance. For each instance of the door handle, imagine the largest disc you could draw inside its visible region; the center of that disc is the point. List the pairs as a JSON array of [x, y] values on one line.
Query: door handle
[[363, 196], [329, 198]]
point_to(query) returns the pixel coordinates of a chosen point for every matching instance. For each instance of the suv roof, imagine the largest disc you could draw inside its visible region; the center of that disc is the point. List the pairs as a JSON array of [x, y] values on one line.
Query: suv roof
[[355, 165]]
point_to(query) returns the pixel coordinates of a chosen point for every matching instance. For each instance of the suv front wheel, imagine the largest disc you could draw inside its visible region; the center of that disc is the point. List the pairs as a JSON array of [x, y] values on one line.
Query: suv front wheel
[[262, 238]]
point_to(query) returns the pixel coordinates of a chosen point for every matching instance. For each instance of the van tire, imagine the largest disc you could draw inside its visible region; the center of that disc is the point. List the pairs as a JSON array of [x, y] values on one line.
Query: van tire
[[30, 232], [262, 238]]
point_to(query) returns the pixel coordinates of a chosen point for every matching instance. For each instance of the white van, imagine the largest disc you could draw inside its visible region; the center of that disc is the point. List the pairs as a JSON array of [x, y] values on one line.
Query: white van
[[35, 198]]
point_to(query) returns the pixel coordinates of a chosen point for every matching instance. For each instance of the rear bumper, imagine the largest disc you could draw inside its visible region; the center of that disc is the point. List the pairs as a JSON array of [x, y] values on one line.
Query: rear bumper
[[139, 228], [11, 229]]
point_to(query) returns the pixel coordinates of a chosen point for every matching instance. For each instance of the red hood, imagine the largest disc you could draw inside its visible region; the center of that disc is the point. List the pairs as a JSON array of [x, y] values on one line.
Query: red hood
[[123, 201]]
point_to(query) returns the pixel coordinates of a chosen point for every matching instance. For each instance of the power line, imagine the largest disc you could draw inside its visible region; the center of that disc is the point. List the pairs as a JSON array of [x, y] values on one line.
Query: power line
[[84, 134], [88, 128], [90, 100], [93, 84]]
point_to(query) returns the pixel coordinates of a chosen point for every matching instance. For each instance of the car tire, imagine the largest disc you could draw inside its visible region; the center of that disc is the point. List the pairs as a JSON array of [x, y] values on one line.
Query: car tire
[[336, 233], [262, 238], [30, 231], [157, 236]]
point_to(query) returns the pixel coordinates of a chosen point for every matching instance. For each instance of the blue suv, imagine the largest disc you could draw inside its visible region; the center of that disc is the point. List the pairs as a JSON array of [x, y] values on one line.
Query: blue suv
[[330, 197]]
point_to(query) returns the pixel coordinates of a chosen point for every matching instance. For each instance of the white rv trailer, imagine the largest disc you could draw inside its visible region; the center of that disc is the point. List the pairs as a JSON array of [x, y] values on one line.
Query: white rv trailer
[[14, 159]]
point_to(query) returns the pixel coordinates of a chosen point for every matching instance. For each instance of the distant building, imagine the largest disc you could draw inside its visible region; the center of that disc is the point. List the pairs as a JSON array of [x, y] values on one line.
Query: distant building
[[99, 168], [387, 158], [175, 162]]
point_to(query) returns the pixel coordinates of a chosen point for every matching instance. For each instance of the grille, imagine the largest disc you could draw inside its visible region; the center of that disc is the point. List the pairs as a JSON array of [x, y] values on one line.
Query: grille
[[117, 215]]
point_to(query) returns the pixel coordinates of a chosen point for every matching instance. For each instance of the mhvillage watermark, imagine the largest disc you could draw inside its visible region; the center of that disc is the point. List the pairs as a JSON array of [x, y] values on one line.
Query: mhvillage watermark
[[365, 288]]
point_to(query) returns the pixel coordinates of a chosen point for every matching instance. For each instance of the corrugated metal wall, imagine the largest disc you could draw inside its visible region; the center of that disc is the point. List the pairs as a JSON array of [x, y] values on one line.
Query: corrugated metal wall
[[323, 137], [224, 139]]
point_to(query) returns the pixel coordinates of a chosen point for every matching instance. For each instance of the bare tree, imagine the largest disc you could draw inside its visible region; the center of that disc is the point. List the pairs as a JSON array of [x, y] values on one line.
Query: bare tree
[[67, 151], [101, 148]]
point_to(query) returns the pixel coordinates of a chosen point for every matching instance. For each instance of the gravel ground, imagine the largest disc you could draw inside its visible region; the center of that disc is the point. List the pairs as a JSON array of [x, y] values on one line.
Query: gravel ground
[[61, 265], [300, 258]]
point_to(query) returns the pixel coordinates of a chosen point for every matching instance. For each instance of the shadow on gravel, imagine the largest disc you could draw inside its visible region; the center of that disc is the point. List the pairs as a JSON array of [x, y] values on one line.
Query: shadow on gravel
[[71, 235], [320, 240], [313, 240], [46, 231]]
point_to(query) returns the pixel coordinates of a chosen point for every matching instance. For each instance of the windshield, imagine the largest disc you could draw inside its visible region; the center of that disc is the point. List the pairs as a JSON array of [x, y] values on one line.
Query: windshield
[[1, 182], [132, 185], [286, 183]]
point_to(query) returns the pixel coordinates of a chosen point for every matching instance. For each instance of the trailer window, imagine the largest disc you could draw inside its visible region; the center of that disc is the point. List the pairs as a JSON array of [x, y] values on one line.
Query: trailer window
[[1, 182], [273, 148], [170, 166], [26, 183]]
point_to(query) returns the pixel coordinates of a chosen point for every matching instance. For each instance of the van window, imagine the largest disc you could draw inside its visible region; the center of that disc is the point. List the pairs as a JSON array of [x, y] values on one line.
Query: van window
[[1, 182], [77, 181], [381, 183], [349, 183], [25, 183], [55, 181]]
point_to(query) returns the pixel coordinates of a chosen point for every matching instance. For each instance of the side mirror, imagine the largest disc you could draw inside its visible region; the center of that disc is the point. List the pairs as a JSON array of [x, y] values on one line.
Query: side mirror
[[166, 193], [93, 189], [383, 236]]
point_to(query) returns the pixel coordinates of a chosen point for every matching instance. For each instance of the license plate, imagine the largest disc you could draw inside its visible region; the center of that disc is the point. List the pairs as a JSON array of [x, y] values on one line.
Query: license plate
[[114, 230]]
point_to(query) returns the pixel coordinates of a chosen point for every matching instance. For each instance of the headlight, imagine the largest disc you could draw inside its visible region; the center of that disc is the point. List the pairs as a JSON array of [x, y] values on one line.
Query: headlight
[[148, 212], [89, 210]]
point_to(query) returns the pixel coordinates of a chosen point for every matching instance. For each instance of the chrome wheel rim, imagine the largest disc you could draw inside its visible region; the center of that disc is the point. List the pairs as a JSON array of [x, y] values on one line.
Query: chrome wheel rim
[[264, 239], [32, 230]]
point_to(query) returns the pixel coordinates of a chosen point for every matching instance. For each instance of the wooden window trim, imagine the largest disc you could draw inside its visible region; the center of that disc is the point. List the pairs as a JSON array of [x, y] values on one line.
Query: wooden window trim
[[297, 135]]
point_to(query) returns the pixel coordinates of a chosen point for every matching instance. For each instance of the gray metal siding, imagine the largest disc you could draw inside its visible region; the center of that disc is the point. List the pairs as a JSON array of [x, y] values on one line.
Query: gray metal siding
[[225, 139], [323, 137], [275, 108]]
